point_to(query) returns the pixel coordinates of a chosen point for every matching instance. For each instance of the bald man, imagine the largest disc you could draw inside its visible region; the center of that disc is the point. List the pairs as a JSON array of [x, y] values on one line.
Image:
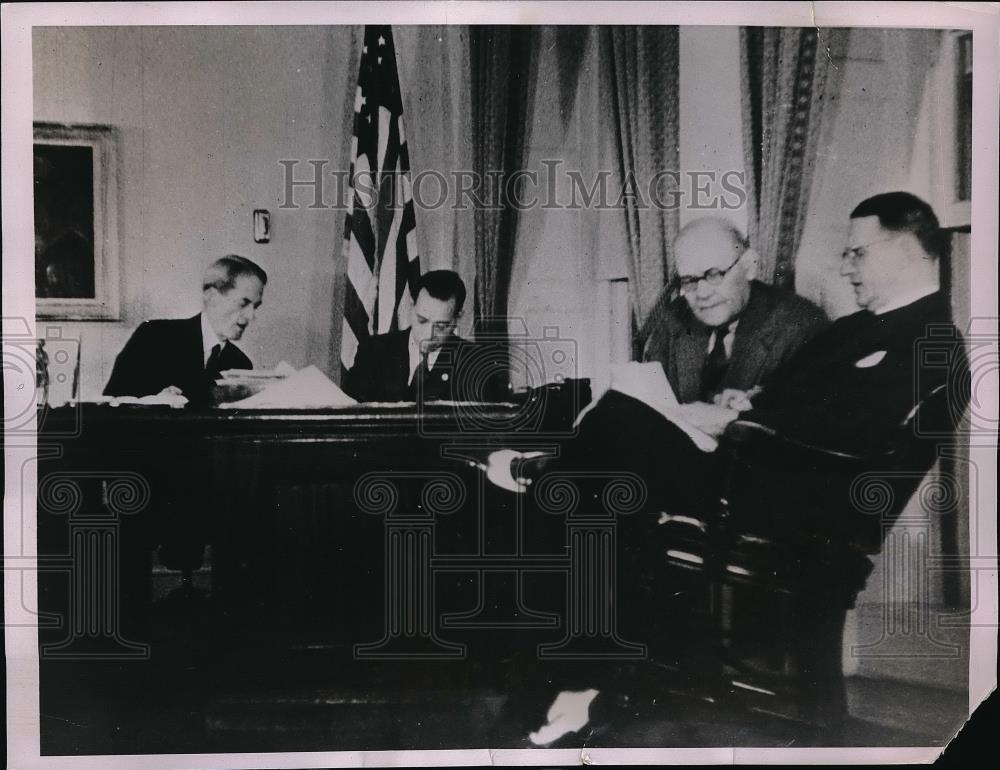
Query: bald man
[[726, 330]]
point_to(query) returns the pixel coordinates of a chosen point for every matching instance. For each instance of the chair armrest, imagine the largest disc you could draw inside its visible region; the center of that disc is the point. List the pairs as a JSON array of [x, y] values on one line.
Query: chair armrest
[[744, 433]]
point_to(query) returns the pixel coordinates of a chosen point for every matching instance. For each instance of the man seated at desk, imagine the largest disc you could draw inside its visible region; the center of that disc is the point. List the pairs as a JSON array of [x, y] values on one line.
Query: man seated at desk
[[428, 361], [185, 356], [847, 389], [726, 330]]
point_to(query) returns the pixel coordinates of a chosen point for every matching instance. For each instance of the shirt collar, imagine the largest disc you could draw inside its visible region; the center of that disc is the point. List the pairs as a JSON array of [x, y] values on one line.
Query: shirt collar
[[209, 339], [729, 330], [907, 298], [414, 350]]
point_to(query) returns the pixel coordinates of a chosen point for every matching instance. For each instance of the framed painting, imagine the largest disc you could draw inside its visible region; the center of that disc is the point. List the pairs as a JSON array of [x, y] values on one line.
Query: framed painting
[[76, 222]]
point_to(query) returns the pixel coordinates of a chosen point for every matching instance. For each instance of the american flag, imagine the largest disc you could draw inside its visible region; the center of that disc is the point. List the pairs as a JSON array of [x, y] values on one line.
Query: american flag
[[380, 233]]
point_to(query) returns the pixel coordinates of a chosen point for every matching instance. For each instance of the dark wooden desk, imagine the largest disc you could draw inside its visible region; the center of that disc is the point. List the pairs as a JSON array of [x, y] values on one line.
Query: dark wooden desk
[[302, 510], [354, 552]]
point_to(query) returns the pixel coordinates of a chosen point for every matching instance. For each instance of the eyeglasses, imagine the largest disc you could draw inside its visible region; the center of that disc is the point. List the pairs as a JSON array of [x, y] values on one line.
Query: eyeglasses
[[855, 254], [712, 276]]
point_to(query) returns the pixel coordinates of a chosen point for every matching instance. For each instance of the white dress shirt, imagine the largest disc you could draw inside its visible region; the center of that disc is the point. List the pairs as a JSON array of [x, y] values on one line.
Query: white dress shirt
[[907, 298], [727, 341]]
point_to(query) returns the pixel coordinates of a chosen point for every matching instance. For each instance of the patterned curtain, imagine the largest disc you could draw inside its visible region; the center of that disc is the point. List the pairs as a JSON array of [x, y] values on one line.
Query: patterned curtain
[[784, 72], [504, 66], [640, 69]]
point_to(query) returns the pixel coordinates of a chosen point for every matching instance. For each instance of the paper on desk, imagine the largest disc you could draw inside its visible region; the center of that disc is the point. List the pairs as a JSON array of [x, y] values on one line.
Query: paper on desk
[[283, 369], [646, 382], [175, 401], [307, 388]]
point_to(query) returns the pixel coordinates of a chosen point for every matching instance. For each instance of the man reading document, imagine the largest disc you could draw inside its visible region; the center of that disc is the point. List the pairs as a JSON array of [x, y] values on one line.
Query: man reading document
[[725, 329], [184, 356], [847, 389], [428, 361]]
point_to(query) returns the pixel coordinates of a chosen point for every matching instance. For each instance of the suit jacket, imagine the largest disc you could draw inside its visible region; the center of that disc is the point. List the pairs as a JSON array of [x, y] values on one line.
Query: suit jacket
[[853, 384], [848, 388], [169, 352], [774, 324], [463, 371]]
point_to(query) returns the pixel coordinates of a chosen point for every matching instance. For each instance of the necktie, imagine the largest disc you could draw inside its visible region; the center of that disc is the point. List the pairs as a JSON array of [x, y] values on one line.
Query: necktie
[[418, 380], [212, 366], [715, 365]]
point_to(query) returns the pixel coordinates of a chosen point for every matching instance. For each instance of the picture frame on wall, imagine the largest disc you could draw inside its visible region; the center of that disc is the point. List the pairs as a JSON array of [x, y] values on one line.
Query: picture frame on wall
[[75, 168]]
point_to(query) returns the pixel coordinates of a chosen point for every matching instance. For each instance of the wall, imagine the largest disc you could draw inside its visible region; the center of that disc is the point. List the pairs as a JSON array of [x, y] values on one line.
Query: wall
[[196, 160], [711, 117], [205, 115], [867, 145]]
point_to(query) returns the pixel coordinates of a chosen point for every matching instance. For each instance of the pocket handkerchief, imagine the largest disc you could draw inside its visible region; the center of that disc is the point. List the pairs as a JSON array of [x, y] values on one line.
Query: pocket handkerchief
[[871, 360]]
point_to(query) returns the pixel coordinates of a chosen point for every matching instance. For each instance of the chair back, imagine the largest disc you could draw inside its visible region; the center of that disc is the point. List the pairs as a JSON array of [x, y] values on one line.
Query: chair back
[[829, 496]]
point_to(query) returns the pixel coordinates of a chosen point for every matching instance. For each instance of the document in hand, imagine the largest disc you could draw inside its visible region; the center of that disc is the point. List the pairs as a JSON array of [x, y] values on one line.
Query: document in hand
[[646, 382], [307, 388]]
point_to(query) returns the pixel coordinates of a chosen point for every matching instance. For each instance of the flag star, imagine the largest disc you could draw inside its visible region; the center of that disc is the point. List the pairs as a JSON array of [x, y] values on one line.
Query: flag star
[[379, 59], [364, 100], [381, 40]]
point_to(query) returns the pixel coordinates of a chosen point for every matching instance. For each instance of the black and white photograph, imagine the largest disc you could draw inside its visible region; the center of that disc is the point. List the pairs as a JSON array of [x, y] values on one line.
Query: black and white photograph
[[498, 382]]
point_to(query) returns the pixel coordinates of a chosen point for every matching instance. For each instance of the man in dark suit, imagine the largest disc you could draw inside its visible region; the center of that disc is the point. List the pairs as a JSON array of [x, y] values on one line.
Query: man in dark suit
[[428, 361], [848, 388], [726, 330], [185, 356]]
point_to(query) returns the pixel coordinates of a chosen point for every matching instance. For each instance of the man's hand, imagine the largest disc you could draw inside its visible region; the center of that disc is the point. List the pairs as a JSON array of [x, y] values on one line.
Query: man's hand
[[171, 390], [499, 469], [711, 418], [731, 398]]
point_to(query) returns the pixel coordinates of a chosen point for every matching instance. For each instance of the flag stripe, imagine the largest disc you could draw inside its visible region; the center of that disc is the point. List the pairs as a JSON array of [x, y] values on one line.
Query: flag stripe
[[383, 266]]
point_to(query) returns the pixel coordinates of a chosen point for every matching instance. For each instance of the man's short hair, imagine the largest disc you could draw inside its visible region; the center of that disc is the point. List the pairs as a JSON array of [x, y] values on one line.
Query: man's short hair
[[444, 285], [902, 212], [222, 273], [740, 241]]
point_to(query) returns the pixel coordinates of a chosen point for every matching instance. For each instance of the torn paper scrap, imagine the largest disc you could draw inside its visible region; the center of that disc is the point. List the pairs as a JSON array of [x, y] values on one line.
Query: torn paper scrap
[[569, 712]]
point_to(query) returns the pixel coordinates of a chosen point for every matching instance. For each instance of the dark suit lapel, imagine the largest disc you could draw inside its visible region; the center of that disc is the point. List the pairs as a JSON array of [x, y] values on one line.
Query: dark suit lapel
[[753, 340], [192, 351], [191, 361], [396, 376], [437, 379]]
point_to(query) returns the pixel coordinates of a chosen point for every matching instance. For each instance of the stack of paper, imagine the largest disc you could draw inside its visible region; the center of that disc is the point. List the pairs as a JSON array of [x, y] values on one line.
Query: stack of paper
[[646, 382], [282, 370], [175, 401], [307, 388]]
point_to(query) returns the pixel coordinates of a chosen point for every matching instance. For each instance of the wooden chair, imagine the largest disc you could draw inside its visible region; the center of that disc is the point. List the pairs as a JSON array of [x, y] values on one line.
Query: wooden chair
[[795, 533]]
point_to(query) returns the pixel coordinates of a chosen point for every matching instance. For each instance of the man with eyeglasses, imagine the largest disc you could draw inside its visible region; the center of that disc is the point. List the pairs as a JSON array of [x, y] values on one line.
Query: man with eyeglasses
[[847, 389], [428, 360], [726, 331], [854, 383]]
